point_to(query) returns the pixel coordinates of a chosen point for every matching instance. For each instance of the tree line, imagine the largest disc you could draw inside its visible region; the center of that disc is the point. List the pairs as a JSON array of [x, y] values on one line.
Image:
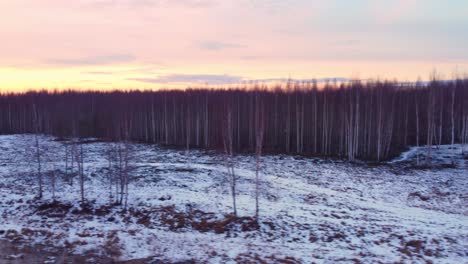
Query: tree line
[[373, 120]]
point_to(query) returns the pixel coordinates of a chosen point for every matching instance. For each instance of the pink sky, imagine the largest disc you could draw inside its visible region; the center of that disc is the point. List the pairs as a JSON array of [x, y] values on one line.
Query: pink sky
[[157, 43]]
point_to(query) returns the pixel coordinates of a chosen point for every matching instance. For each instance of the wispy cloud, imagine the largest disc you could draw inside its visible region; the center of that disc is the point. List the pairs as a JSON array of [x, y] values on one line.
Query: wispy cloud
[[215, 45], [193, 78], [149, 3], [93, 60], [226, 79], [344, 43], [193, 3], [293, 80], [149, 70], [99, 72]]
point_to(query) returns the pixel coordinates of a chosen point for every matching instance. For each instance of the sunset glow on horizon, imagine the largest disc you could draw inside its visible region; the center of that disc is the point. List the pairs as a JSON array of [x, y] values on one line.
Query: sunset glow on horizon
[[150, 44]]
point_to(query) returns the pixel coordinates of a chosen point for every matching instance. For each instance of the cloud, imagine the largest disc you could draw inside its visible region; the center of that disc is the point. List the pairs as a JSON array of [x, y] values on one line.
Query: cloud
[[344, 43], [99, 72], [273, 7], [138, 70], [284, 80], [226, 79], [251, 57], [215, 45], [149, 3], [193, 3], [193, 78], [93, 60]]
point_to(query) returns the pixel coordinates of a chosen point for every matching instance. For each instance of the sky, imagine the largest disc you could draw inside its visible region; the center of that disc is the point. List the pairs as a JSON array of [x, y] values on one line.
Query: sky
[[149, 44]]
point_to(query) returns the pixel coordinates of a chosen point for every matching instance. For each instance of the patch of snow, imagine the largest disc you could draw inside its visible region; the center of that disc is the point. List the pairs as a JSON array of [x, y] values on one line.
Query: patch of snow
[[312, 210]]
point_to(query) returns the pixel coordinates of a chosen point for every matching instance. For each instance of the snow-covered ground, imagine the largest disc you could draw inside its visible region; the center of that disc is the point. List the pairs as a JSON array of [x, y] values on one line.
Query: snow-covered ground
[[311, 210]]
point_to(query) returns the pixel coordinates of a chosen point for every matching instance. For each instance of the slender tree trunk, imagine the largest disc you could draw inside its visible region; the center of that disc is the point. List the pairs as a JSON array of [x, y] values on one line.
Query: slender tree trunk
[[228, 148], [417, 132], [82, 177], [430, 125], [53, 185], [452, 141], [38, 150], [379, 128], [288, 125], [39, 165], [260, 129], [441, 121]]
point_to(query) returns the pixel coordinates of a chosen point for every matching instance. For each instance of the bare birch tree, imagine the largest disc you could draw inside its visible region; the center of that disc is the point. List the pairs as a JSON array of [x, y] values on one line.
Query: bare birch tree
[[228, 149], [259, 134], [38, 151]]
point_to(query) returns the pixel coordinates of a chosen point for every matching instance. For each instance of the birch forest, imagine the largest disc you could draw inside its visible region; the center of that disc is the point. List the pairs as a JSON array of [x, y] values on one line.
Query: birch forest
[[355, 120]]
